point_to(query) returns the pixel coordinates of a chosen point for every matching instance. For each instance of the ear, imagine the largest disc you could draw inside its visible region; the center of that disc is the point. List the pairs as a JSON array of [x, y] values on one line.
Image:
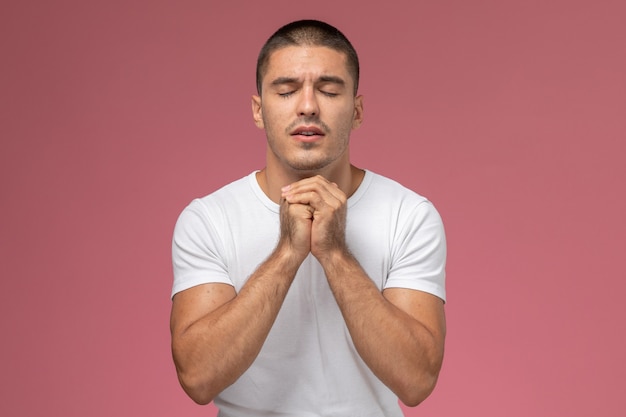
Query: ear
[[358, 112], [257, 112]]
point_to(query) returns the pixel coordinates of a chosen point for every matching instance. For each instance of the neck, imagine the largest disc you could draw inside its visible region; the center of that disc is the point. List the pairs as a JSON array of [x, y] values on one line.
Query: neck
[[348, 178]]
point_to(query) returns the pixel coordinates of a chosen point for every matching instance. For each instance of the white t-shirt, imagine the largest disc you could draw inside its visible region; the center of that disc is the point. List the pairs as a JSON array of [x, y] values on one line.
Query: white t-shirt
[[308, 365]]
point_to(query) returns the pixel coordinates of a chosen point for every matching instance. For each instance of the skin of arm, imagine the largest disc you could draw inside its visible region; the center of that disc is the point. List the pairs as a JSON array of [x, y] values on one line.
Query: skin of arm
[[399, 333], [216, 333]]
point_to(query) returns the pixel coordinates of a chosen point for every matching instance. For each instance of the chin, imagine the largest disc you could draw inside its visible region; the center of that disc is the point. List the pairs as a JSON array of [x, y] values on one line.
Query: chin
[[306, 170], [307, 163]]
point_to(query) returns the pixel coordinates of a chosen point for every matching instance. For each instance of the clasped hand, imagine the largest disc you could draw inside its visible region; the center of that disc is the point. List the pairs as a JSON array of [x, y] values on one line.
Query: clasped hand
[[313, 217]]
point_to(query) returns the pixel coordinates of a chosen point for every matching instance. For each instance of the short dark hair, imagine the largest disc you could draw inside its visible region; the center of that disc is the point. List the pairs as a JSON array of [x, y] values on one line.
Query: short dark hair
[[308, 33]]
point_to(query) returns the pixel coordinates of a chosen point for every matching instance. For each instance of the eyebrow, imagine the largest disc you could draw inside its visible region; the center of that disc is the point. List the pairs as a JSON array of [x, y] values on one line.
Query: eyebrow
[[323, 79], [284, 80], [332, 79]]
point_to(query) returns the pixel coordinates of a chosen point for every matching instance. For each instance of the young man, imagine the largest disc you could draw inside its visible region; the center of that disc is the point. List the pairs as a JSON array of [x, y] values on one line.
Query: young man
[[310, 287]]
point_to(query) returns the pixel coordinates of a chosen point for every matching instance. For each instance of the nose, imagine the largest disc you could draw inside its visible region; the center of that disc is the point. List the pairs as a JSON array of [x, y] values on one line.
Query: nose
[[307, 103]]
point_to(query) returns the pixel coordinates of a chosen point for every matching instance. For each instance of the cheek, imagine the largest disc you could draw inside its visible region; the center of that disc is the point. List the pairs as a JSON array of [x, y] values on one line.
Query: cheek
[[345, 121], [273, 127], [272, 117], [268, 121]]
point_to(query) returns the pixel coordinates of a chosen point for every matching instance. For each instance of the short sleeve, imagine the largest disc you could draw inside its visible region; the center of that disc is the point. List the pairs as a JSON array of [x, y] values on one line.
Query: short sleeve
[[197, 249], [419, 251]]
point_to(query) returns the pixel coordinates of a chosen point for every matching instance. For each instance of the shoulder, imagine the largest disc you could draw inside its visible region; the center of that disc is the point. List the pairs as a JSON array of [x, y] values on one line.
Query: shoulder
[[215, 206], [222, 197], [389, 192], [389, 198], [240, 187]]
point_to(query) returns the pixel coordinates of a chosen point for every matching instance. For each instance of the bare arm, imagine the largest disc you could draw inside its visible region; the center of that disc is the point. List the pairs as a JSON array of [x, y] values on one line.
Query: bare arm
[[216, 333], [399, 333]]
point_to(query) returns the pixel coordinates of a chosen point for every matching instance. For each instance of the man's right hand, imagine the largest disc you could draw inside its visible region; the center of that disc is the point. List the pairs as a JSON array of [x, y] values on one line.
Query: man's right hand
[[295, 228], [216, 332]]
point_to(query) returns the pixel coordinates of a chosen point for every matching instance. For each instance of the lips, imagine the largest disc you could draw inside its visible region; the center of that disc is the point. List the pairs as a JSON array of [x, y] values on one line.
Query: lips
[[307, 131]]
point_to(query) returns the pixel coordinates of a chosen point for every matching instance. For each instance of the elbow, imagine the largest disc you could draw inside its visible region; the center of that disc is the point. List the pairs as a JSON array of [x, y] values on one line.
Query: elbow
[[196, 388], [419, 384], [198, 384], [415, 397], [416, 394], [415, 390], [199, 398]]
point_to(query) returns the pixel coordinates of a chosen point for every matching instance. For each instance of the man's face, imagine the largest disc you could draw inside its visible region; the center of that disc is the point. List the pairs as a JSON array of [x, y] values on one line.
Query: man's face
[[307, 108]]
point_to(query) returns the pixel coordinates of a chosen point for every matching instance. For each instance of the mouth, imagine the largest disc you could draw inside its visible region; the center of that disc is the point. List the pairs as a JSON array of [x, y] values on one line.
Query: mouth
[[307, 133]]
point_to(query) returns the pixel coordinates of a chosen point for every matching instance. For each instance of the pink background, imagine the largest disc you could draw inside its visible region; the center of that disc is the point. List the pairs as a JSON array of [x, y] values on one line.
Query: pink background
[[510, 116]]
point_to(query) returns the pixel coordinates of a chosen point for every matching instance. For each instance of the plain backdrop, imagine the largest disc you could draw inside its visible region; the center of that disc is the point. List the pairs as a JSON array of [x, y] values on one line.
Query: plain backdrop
[[509, 115]]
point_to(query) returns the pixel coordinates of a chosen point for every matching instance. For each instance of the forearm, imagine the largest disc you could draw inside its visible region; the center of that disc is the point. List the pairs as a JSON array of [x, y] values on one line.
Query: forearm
[[212, 352], [401, 351]]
